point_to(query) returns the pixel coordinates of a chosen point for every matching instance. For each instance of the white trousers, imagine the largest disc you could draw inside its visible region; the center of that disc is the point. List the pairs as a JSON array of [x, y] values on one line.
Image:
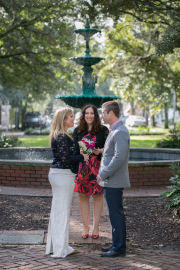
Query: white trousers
[[62, 183]]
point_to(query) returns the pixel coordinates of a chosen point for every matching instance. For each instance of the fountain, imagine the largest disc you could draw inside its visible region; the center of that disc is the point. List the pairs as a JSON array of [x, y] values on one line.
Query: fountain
[[88, 94]]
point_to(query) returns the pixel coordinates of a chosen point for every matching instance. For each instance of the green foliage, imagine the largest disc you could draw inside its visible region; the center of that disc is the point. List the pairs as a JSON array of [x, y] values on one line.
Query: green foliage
[[174, 191], [146, 131], [32, 131], [36, 40], [12, 141], [45, 131], [171, 37], [70, 131], [172, 140], [137, 76], [150, 11]]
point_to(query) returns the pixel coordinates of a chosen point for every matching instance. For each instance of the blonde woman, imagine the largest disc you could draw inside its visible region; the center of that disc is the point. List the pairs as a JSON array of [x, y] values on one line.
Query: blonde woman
[[66, 158]]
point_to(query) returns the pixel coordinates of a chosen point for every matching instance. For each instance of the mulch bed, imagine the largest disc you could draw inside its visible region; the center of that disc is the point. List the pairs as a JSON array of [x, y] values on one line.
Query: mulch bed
[[148, 223]]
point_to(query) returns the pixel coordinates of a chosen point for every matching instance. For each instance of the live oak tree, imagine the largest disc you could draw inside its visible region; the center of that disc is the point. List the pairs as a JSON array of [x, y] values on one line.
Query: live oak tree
[[35, 42], [138, 76], [170, 38], [149, 11]]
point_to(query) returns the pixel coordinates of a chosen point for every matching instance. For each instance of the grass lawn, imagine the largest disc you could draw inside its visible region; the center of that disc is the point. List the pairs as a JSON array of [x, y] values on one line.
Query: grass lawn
[[136, 141], [146, 141], [36, 141]]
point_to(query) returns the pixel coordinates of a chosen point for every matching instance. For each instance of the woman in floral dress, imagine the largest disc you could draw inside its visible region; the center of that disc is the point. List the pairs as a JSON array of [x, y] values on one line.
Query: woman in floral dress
[[90, 127]]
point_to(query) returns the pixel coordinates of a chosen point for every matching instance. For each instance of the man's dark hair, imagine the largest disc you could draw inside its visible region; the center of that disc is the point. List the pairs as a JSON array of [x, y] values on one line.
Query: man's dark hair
[[112, 106]]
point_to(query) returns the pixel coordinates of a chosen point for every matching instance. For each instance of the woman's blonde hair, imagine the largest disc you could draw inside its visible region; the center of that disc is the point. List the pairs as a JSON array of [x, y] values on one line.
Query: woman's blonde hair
[[57, 126]]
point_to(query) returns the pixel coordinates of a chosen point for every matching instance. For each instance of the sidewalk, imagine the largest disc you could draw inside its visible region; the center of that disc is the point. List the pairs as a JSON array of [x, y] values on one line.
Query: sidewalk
[[46, 192], [30, 256]]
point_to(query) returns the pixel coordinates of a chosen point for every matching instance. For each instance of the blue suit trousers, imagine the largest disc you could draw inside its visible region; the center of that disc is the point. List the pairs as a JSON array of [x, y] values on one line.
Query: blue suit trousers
[[113, 198]]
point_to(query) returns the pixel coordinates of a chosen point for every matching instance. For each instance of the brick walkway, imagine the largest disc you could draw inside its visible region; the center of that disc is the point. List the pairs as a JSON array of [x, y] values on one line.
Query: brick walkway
[[32, 257], [88, 257]]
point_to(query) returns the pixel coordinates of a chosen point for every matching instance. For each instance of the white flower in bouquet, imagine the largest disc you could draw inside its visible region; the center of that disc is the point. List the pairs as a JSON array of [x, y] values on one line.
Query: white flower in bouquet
[[87, 146], [82, 145]]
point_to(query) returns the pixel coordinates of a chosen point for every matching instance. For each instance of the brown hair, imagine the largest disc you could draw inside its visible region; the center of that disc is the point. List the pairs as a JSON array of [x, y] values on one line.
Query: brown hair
[[96, 125], [112, 106]]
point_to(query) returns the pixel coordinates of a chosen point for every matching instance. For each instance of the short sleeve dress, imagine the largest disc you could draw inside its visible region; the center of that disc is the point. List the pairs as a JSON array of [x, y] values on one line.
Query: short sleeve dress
[[89, 185]]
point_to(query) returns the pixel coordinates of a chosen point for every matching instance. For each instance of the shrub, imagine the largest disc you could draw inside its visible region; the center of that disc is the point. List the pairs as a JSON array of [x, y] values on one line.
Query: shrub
[[144, 131], [32, 131], [70, 132], [12, 141], [172, 140], [45, 131], [174, 193]]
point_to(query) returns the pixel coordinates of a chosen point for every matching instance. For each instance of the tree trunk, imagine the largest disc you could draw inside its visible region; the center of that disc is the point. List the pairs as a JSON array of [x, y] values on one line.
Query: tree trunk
[[147, 116], [23, 112], [132, 106], [0, 115], [166, 122], [153, 124], [11, 117], [17, 118], [144, 113]]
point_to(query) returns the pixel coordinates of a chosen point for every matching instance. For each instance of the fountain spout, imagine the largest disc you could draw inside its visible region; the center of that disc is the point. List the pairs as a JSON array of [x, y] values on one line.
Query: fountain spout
[[87, 21]]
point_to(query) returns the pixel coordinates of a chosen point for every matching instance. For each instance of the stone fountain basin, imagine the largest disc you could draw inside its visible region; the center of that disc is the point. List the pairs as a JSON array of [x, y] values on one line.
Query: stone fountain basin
[[44, 153], [87, 61], [29, 167], [88, 98]]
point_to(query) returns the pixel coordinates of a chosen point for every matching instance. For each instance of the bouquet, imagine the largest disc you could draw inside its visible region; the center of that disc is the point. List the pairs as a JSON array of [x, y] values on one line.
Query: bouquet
[[87, 146]]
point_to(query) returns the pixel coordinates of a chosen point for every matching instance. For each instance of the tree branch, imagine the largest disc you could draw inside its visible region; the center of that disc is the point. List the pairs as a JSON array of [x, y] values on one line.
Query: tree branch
[[24, 22], [16, 54]]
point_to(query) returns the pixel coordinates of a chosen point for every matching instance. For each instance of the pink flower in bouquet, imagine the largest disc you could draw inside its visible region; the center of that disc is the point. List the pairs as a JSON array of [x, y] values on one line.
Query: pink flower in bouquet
[[87, 146]]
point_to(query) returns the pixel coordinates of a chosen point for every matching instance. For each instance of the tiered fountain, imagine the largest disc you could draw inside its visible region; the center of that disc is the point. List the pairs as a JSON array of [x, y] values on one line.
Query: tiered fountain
[[88, 95]]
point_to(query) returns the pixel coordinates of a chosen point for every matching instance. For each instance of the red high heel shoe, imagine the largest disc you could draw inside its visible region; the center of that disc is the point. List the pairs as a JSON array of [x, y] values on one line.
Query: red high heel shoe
[[95, 236], [85, 236]]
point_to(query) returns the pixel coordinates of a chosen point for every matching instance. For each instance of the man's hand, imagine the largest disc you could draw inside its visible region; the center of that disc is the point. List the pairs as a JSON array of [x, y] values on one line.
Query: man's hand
[[98, 178], [97, 151]]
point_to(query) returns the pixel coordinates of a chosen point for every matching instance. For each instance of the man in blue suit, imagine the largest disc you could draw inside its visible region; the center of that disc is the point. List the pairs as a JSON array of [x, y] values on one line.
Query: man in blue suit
[[114, 176]]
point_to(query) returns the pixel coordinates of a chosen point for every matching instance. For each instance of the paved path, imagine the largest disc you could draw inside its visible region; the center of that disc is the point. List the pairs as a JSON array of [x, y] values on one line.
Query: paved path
[[88, 256], [33, 258]]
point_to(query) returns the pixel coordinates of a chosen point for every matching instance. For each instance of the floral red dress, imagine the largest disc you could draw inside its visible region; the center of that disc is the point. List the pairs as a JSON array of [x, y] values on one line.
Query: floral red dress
[[89, 185]]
